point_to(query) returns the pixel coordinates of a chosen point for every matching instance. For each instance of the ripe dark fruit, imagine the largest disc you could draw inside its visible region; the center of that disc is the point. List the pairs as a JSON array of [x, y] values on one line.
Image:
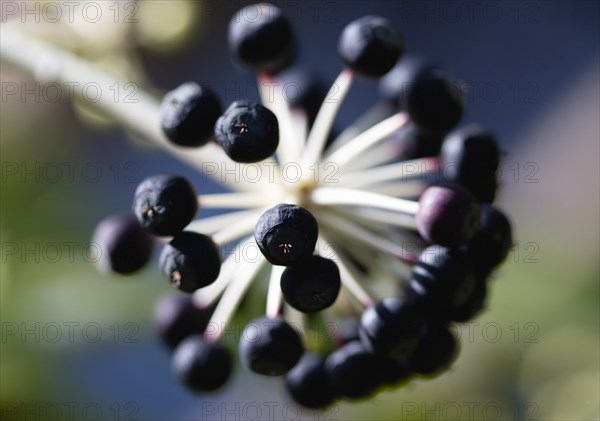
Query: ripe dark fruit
[[190, 261], [354, 371], [308, 383], [125, 246], [312, 285], [286, 234], [448, 215], [262, 38], [472, 306], [177, 316], [270, 346], [188, 114], [436, 351], [391, 328], [247, 132], [470, 157], [165, 204], [200, 365], [397, 83], [491, 244], [433, 102], [411, 142], [444, 277], [370, 46]]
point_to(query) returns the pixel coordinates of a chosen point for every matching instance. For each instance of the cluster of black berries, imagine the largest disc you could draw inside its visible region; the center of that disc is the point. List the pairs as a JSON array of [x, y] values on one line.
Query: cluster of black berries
[[462, 237]]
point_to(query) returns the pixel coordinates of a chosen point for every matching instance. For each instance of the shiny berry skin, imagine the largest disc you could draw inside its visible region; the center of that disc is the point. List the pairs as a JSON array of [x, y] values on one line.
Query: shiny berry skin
[[448, 215], [443, 277], [190, 261], [436, 351], [391, 327], [286, 234], [470, 157], [312, 285], [434, 103], [165, 204], [262, 38], [270, 346], [370, 46], [248, 132], [492, 243], [308, 383], [177, 316], [202, 366], [126, 247], [188, 114], [397, 83], [354, 371]]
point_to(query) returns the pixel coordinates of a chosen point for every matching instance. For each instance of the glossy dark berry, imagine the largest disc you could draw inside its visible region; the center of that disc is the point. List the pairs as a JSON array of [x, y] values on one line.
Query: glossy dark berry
[[312, 285], [286, 234], [354, 371], [188, 114], [434, 102], [397, 83], [448, 215], [444, 277], [436, 351], [308, 383], [270, 346], [391, 327], [472, 306], [370, 46], [492, 243], [262, 38], [190, 261], [200, 365], [247, 132], [165, 204], [177, 316], [411, 142], [125, 246], [470, 157]]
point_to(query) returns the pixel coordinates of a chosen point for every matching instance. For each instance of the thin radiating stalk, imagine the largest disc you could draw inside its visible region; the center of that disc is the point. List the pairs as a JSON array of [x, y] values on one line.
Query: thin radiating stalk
[[331, 196], [229, 302], [231, 200], [274, 294], [367, 139], [324, 120], [413, 170], [140, 115]]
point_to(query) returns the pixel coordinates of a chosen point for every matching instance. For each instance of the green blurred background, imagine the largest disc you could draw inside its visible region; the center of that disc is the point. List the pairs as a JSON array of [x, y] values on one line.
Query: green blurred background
[[77, 344]]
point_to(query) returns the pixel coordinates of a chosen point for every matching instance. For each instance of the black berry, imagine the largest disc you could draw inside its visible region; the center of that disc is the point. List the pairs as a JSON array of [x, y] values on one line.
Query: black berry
[[491, 244], [443, 277], [397, 83], [200, 365], [165, 204], [247, 132], [448, 215], [308, 383], [177, 316], [125, 246], [370, 46], [391, 328], [354, 371], [262, 38], [188, 114], [270, 346], [190, 261], [286, 234], [436, 351], [312, 285], [470, 157]]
